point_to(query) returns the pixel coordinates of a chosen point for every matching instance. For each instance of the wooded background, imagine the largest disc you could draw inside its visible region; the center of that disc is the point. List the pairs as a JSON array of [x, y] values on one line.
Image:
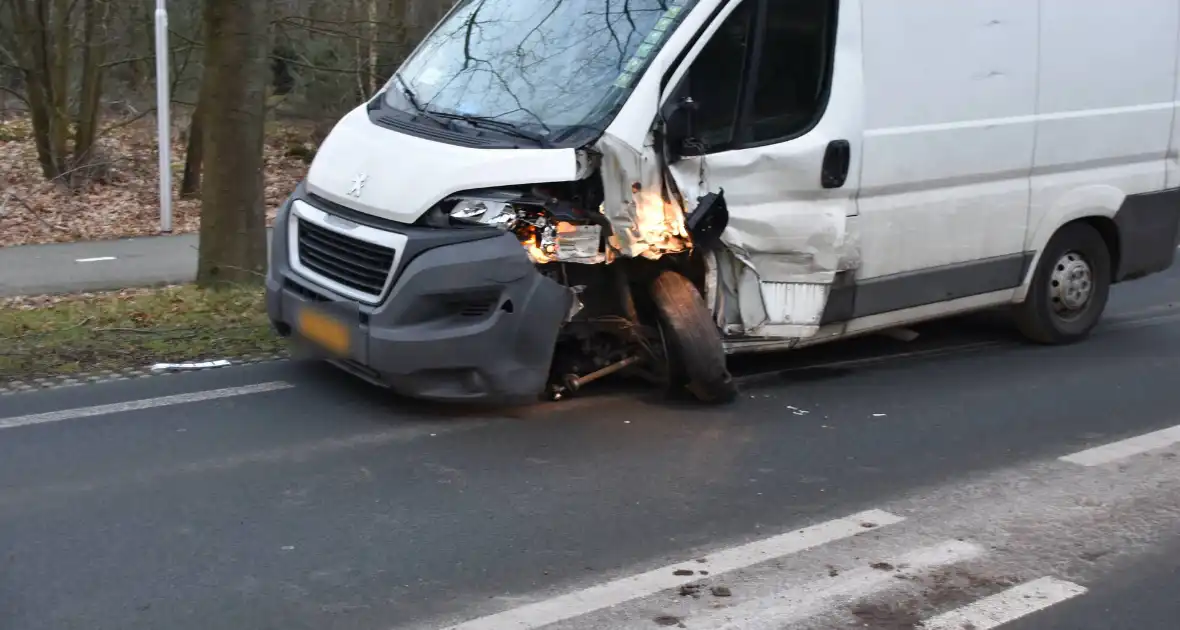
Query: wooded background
[[73, 62], [82, 69]]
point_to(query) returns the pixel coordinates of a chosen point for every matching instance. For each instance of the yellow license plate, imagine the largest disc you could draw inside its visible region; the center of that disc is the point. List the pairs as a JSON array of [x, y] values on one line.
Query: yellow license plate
[[325, 331]]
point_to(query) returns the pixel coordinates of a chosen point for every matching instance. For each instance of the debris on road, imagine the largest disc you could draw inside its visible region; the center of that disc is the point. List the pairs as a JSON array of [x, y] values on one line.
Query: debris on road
[[180, 367]]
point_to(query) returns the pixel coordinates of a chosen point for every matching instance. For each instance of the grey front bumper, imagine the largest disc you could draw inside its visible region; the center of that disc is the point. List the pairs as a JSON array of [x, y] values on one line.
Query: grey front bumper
[[466, 321]]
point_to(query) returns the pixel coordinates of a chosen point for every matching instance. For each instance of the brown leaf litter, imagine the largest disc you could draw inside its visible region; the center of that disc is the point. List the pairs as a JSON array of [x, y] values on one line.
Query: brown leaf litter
[[124, 202]]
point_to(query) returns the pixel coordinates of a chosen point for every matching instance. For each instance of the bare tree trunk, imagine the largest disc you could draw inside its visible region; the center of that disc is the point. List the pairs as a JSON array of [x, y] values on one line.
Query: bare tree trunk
[[396, 34], [45, 74], [356, 10], [86, 133], [59, 81], [374, 35], [233, 229], [194, 152]]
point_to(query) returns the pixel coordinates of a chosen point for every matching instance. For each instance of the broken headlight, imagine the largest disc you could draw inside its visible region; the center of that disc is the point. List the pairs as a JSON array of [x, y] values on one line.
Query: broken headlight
[[491, 212], [549, 230]]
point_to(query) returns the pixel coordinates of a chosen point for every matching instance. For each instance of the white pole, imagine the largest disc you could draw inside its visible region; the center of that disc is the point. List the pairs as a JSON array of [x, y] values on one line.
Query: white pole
[[163, 116]]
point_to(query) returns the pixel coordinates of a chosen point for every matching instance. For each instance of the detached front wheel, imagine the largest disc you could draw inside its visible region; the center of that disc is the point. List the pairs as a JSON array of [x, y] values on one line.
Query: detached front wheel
[[694, 345], [1070, 288]]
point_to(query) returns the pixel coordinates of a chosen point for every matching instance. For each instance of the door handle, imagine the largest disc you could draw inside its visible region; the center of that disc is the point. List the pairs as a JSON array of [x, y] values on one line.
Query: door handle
[[837, 158]]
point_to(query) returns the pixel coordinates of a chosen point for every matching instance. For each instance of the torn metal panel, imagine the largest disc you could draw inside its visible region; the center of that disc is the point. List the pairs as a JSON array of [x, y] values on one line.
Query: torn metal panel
[[578, 243], [786, 240], [791, 240], [795, 303], [587, 163], [644, 222], [713, 297]]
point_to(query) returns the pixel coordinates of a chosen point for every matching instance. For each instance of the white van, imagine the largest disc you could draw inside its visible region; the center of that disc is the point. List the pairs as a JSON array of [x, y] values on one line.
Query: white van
[[547, 192]]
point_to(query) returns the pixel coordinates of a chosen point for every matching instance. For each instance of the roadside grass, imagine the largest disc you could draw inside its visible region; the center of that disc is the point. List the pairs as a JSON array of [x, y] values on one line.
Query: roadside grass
[[61, 335]]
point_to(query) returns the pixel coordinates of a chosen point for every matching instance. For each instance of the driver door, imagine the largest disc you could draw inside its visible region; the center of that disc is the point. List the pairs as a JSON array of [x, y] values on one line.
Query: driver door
[[769, 111]]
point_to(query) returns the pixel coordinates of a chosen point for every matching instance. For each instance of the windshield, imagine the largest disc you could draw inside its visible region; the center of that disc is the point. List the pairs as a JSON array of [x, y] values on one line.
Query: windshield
[[545, 65]]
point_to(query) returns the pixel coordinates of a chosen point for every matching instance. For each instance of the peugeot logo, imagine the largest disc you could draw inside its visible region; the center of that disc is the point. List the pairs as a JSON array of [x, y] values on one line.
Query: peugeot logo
[[358, 185]]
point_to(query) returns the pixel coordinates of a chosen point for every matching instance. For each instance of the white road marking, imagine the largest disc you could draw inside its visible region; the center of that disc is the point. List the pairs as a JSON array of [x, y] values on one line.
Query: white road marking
[[1123, 449], [96, 259], [782, 609], [201, 365], [561, 608], [1010, 605], [135, 405]]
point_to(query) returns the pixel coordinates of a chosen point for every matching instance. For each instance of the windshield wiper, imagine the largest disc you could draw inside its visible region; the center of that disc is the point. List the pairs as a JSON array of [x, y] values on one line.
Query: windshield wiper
[[408, 92], [475, 121], [500, 125]]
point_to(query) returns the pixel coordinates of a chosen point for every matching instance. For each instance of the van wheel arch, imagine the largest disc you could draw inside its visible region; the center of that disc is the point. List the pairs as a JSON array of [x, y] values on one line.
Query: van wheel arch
[[1109, 231], [1069, 287]]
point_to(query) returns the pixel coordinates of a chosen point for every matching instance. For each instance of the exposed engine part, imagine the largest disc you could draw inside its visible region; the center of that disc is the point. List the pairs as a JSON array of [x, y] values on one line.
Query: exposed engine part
[[566, 232], [576, 304], [572, 383], [606, 333], [551, 228]]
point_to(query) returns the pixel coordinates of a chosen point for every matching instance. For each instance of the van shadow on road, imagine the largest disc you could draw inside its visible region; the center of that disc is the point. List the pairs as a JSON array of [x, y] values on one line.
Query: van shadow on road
[[825, 362]]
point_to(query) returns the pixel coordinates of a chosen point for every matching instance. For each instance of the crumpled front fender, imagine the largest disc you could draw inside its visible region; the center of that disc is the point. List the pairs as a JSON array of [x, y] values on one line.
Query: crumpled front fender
[[645, 221]]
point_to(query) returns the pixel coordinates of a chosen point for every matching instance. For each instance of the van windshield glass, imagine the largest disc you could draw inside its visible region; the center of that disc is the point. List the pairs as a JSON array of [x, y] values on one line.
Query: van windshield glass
[[541, 65]]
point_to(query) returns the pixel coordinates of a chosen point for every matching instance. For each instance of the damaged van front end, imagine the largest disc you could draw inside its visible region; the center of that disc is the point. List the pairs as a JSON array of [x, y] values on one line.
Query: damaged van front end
[[451, 251], [494, 293]]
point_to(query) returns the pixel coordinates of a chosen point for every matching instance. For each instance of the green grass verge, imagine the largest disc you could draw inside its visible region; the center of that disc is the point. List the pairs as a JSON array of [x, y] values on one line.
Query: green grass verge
[[62, 335]]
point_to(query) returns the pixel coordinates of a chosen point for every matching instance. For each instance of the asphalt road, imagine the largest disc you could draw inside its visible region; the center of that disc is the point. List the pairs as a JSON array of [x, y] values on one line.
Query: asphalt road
[[927, 478]]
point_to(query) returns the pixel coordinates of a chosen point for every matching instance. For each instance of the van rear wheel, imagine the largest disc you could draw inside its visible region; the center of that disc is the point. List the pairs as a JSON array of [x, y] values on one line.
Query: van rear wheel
[[695, 349], [1069, 289]]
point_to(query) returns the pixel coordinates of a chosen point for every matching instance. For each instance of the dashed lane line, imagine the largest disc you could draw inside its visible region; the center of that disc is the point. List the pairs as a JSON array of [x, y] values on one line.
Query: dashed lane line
[[783, 609], [136, 405], [1007, 606], [1115, 451], [561, 608]]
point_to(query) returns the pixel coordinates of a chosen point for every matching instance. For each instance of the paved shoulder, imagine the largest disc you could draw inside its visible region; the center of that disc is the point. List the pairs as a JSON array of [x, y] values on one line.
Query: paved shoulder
[[97, 265]]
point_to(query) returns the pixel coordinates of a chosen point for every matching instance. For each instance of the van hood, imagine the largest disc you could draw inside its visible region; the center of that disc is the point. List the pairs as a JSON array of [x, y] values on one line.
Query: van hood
[[396, 176]]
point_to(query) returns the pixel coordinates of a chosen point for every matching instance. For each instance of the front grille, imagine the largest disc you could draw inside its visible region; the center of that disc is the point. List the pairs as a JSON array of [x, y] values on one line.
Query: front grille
[[356, 264]]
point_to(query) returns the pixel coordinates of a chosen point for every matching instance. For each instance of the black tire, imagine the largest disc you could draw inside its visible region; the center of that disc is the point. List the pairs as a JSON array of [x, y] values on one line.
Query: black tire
[[695, 344], [1054, 312]]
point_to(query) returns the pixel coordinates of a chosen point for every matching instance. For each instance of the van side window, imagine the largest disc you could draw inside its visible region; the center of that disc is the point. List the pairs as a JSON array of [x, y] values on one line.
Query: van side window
[[794, 64], [764, 75], [716, 77]]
